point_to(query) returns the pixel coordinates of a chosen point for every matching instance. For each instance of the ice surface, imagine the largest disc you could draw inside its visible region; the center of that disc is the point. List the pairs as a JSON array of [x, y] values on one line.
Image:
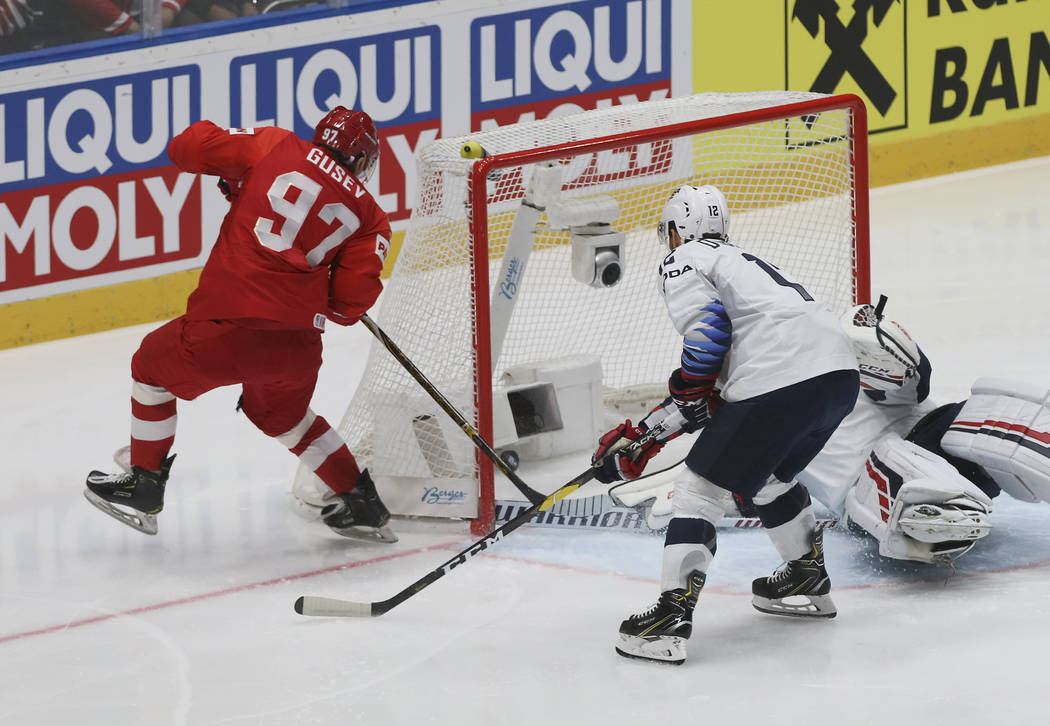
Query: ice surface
[[102, 625]]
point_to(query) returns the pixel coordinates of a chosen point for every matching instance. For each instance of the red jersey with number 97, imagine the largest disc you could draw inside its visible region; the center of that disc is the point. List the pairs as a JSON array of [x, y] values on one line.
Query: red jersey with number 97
[[302, 239]]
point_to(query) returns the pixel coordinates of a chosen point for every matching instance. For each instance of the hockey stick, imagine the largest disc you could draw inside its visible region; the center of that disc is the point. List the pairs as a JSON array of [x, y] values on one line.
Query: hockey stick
[[531, 494], [590, 510], [756, 523], [332, 607]]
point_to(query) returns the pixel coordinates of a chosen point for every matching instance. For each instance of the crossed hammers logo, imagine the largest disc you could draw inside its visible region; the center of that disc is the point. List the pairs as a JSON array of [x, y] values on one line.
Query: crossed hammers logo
[[845, 41]]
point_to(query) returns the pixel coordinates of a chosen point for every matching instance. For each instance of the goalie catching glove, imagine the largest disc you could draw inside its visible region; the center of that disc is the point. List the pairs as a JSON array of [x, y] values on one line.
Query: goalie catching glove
[[886, 354], [621, 460]]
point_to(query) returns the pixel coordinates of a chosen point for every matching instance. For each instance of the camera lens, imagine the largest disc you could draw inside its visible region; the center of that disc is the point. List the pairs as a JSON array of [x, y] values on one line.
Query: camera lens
[[607, 267]]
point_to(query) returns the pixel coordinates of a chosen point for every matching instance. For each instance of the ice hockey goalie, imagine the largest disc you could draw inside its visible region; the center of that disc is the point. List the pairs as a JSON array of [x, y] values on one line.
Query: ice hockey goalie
[[918, 477]]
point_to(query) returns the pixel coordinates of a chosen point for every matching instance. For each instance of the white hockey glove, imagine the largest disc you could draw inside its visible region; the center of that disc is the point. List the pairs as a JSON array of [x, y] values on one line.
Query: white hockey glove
[[886, 354]]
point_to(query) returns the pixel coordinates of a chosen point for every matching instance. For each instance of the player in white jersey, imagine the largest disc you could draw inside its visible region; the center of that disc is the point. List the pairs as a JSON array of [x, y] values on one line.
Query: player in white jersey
[[787, 377], [918, 477]]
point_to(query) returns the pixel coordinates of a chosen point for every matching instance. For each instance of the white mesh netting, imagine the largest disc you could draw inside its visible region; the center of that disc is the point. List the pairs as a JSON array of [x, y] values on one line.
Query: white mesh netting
[[790, 187]]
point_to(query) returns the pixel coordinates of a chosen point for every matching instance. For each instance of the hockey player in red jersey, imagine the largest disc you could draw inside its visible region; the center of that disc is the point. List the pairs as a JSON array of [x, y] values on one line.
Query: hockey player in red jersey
[[303, 243]]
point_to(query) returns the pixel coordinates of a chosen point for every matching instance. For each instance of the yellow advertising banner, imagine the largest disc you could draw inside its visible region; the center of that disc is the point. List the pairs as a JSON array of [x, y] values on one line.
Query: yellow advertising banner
[[949, 84]]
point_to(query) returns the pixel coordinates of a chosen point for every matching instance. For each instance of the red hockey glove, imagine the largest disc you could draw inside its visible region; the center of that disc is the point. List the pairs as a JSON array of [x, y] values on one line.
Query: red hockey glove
[[622, 462], [341, 319], [229, 189]]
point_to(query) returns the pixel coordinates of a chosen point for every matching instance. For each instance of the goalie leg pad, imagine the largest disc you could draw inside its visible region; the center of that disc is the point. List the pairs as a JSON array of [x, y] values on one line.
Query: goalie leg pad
[[1005, 427], [916, 504]]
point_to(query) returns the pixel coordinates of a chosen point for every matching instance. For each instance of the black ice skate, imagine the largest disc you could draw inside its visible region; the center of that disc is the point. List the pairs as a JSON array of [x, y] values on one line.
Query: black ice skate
[[359, 514], [659, 633], [803, 578], [134, 497]]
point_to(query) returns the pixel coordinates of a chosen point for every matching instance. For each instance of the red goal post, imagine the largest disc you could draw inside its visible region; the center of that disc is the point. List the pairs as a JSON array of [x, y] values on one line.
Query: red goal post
[[490, 295]]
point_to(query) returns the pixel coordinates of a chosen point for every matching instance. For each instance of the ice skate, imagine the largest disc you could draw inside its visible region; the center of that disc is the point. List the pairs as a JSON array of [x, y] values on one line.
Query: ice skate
[[134, 497], [804, 578], [359, 514], [659, 634]]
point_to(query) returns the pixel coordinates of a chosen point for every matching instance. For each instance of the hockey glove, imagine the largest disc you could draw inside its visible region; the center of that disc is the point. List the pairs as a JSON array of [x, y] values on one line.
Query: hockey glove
[[229, 189], [692, 398], [886, 354], [623, 462], [340, 319]]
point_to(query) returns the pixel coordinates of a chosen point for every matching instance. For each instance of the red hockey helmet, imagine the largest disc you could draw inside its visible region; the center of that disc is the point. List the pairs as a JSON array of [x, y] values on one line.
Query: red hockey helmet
[[351, 135]]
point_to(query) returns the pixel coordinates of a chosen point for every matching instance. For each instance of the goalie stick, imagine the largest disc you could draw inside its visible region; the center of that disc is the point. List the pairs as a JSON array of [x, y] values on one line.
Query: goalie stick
[[333, 607], [601, 512], [531, 494]]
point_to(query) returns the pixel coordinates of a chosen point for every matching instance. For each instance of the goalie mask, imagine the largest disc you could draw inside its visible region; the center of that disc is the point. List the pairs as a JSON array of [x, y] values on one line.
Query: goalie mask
[[350, 136], [695, 213]]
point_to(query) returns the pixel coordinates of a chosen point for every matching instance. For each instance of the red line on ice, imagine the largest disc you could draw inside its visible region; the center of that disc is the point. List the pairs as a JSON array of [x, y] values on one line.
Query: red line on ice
[[220, 593]]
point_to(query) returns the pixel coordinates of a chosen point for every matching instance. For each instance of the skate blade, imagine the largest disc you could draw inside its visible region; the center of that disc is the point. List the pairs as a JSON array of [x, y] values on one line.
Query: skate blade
[[382, 534], [145, 523], [669, 651], [817, 606]]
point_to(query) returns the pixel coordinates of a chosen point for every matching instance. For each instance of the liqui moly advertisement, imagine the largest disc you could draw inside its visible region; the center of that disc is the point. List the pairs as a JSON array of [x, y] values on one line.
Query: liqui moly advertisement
[[88, 196], [564, 59], [86, 186]]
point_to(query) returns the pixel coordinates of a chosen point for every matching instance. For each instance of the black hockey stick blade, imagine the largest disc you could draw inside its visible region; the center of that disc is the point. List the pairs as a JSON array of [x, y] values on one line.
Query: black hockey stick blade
[[332, 607]]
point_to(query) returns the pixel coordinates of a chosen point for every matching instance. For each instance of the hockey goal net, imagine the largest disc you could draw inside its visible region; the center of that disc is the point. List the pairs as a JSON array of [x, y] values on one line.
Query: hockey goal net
[[490, 286]]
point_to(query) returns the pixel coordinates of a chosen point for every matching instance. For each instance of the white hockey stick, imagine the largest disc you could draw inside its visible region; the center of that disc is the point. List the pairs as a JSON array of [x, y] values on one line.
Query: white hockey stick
[[600, 512]]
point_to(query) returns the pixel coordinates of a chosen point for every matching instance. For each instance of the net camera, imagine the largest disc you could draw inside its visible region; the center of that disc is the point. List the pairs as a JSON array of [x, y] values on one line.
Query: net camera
[[597, 248]]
